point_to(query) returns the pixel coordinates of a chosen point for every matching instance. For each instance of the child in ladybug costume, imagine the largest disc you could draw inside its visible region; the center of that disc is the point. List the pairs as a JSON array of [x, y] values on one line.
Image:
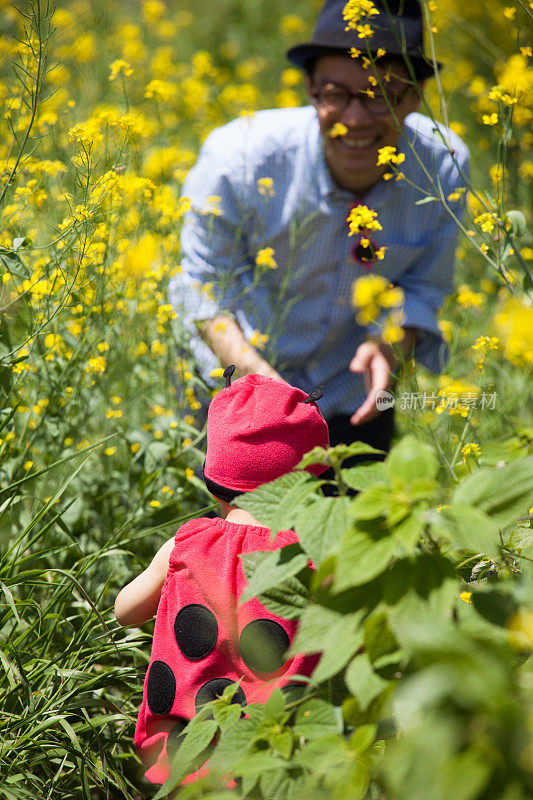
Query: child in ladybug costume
[[258, 429]]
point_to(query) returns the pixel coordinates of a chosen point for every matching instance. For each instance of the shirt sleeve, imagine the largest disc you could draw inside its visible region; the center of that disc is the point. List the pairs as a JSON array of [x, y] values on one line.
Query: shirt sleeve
[[427, 282], [213, 242]]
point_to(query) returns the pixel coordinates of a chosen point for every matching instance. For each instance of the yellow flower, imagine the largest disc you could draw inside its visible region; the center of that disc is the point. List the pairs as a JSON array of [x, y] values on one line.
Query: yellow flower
[[259, 339], [469, 299], [212, 206], [465, 596], [521, 630], [490, 119], [290, 24], [265, 258], [446, 328], [28, 465], [486, 343], [135, 447], [388, 155], [265, 187], [339, 129], [189, 473], [154, 504], [457, 194], [109, 451], [96, 365], [509, 12], [470, 449], [362, 218], [515, 328], [216, 373], [120, 66]]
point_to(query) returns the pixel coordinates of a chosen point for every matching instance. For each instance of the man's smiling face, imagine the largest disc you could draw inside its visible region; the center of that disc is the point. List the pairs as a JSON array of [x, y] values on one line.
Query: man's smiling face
[[352, 159]]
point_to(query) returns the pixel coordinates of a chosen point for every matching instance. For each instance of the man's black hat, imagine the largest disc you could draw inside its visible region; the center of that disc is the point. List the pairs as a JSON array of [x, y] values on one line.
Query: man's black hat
[[398, 29]]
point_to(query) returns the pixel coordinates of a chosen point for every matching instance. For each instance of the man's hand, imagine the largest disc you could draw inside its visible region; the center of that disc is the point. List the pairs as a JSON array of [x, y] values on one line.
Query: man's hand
[[376, 361], [226, 340]]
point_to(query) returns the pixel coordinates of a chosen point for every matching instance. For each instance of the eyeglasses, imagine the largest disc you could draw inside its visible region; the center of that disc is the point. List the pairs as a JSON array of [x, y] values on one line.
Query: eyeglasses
[[336, 97]]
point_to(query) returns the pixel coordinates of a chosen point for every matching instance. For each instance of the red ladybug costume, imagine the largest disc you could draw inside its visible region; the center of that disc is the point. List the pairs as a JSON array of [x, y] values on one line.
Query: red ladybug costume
[[257, 430]]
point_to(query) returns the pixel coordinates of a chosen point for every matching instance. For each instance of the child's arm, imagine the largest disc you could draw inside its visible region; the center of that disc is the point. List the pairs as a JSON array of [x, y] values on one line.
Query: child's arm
[[137, 601]]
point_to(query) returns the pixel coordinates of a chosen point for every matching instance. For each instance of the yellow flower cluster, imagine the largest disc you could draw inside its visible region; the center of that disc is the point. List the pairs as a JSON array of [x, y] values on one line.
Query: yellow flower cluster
[[265, 187], [471, 449], [339, 129], [356, 14], [455, 396], [515, 327], [388, 155], [265, 258], [371, 294], [362, 218]]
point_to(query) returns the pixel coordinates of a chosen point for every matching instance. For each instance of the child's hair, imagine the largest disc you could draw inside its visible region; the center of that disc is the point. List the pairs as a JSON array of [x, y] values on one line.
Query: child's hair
[[258, 429]]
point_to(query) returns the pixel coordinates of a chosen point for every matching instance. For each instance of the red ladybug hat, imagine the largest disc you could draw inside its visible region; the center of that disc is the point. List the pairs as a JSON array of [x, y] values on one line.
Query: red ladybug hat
[[258, 429]]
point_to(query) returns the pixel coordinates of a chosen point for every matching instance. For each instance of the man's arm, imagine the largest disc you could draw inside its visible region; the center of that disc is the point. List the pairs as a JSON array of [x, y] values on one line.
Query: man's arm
[[225, 338]]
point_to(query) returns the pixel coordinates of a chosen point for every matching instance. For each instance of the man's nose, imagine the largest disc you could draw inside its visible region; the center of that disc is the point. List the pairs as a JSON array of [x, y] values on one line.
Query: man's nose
[[355, 113]]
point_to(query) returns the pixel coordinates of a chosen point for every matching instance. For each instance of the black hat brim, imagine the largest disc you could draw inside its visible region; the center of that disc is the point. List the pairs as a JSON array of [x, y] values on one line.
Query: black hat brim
[[302, 54]]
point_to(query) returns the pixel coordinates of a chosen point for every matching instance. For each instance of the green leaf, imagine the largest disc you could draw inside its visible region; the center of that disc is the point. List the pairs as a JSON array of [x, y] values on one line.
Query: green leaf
[[275, 785], [334, 456], [337, 654], [284, 743], [277, 566], [314, 630], [235, 742], [276, 504], [504, 493], [409, 531], [373, 502], [315, 718], [365, 475], [468, 528], [335, 635], [197, 739], [363, 682], [495, 606], [257, 763], [225, 715], [322, 755], [321, 525], [378, 636], [275, 707], [366, 553], [286, 599], [363, 738], [411, 460]]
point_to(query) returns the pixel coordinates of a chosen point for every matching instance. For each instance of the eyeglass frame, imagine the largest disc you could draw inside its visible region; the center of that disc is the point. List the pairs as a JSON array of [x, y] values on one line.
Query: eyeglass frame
[[364, 98]]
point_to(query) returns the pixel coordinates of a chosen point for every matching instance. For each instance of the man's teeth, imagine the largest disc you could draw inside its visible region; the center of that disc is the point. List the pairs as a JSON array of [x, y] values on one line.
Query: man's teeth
[[358, 142]]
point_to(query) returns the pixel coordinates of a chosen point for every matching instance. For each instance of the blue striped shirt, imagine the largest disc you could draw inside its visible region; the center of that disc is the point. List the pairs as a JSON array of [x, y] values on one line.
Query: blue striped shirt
[[304, 305]]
